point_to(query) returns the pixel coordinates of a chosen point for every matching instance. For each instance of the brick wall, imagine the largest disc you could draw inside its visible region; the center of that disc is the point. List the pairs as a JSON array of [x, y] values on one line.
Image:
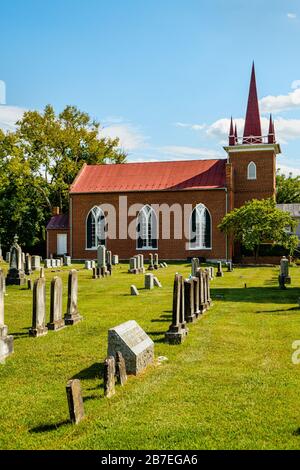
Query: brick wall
[[214, 200], [52, 241]]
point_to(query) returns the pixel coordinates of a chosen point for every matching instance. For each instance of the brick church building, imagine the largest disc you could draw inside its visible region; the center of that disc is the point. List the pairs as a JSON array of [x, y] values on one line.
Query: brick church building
[[135, 191]]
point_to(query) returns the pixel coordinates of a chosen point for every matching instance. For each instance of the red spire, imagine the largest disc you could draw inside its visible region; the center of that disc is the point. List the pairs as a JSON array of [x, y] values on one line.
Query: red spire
[[235, 134], [271, 133], [231, 134], [252, 122]]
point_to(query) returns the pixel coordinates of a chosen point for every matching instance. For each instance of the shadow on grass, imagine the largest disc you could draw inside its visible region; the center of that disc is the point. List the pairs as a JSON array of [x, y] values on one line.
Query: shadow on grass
[[162, 318], [257, 294], [18, 334], [159, 334], [94, 371], [296, 432], [48, 427], [283, 311]]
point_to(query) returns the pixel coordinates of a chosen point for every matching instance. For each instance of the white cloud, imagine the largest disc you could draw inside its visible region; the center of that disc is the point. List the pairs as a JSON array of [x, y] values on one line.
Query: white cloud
[[183, 152], [287, 170], [291, 16], [295, 84], [276, 104], [130, 137], [194, 127], [9, 115]]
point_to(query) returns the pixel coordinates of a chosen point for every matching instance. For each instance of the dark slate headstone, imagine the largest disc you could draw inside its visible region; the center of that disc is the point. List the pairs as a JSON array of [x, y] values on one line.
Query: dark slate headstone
[[16, 274]]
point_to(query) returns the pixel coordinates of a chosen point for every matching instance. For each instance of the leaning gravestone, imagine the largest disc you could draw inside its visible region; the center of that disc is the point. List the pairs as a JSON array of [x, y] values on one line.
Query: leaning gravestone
[[109, 376], [133, 290], [6, 341], [39, 309], [156, 282], [56, 320], [177, 330], [134, 344], [16, 275], [75, 401], [72, 316]]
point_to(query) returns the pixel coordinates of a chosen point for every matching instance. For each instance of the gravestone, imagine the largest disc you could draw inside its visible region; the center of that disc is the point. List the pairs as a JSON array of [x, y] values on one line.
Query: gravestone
[[75, 401], [189, 311], [149, 281], [56, 320], [109, 376], [101, 259], [72, 316], [121, 369], [133, 265], [67, 260], [39, 309], [109, 258], [165, 264], [177, 331], [23, 260], [47, 263], [220, 271], [6, 341], [35, 262], [133, 290], [207, 287], [142, 263], [88, 265], [16, 275], [156, 262], [151, 264], [28, 269], [53, 263], [195, 266], [156, 282], [7, 257], [284, 269], [95, 275], [229, 267], [115, 259], [281, 281], [202, 303], [42, 272], [196, 296], [134, 344], [29, 284]]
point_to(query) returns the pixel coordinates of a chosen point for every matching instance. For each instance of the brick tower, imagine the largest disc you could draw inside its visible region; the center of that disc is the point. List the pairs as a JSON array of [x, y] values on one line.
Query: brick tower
[[252, 158]]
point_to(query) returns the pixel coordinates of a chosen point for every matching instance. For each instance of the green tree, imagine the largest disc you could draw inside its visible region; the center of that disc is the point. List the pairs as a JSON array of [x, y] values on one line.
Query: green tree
[[38, 163], [287, 188], [260, 221]]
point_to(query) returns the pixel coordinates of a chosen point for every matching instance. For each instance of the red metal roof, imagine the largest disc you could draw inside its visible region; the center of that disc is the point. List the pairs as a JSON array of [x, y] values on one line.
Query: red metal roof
[[150, 176], [58, 222]]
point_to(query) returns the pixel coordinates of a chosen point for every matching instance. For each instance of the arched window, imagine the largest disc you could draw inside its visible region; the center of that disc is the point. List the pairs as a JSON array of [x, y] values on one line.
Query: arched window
[[95, 228], [146, 229], [251, 172], [200, 228]]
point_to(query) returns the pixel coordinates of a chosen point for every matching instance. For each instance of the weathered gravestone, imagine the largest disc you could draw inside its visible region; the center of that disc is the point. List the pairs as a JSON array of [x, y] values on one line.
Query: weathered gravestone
[[6, 341], [133, 290], [134, 344], [95, 275], [72, 316], [16, 275], [35, 262], [109, 376], [67, 260], [151, 264], [149, 281], [121, 369], [195, 265], [202, 296], [56, 320], [115, 260], [47, 263], [29, 284], [28, 269], [177, 330], [75, 401], [133, 265], [42, 272], [281, 281], [220, 271], [109, 258], [7, 257], [284, 269], [39, 309], [196, 295], [229, 267], [156, 262], [101, 259], [88, 264], [189, 299]]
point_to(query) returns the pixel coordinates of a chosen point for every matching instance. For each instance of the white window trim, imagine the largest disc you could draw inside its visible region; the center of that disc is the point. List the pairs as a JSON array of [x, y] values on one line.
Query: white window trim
[[147, 248], [250, 164], [200, 248], [93, 248]]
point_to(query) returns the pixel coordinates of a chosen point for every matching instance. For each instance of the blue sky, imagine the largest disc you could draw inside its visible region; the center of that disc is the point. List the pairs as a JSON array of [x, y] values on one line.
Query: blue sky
[[164, 75]]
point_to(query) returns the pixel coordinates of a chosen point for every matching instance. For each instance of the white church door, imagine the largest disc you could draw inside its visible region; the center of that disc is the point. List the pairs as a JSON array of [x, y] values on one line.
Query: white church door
[[62, 244]]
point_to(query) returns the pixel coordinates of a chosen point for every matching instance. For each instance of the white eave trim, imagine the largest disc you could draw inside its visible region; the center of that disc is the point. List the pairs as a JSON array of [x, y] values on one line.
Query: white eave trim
[[252, 148]]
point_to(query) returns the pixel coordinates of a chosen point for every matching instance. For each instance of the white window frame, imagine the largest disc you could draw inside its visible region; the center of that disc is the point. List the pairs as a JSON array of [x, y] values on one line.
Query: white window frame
[[94, 210], [147, 215], [197, 208], [251, 167]]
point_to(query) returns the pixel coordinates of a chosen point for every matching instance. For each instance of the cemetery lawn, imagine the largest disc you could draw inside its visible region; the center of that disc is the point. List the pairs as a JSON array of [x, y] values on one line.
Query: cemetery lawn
[[230, 385]]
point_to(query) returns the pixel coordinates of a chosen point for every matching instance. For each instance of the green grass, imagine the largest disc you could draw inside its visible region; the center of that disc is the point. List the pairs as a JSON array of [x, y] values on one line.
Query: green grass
[[230, 385]]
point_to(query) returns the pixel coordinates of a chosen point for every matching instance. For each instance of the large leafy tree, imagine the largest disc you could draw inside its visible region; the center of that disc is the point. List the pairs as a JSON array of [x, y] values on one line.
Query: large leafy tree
[[287, 188], [260, 221], [39, 161]]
